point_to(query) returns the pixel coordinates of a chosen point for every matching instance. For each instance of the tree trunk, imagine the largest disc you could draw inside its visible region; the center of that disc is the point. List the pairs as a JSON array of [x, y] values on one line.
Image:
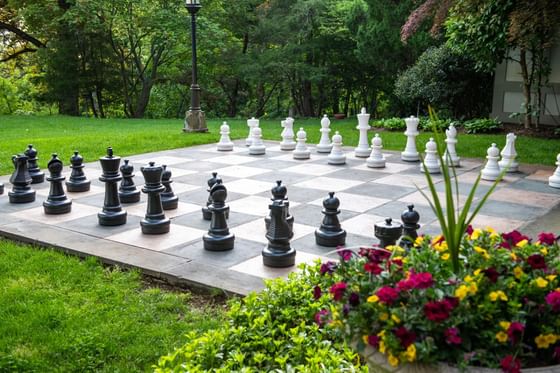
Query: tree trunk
[[526, 88], [307, 99]]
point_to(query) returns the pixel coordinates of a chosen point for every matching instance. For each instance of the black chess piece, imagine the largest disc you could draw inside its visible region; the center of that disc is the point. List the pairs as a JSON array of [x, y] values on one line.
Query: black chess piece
[[127, 191], [37, 176], [155, 221], [410, 218], [206, 214], [112, 212], [279, 193], [278, 252], [21, 191], [77, 182], [218, 237], [168, 198], [388, 232], [1, 188], [57, 202], [330, 233]]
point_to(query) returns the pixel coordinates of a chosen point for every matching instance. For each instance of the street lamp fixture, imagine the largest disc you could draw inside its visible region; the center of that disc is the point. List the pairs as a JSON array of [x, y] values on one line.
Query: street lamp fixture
[[195, 121]]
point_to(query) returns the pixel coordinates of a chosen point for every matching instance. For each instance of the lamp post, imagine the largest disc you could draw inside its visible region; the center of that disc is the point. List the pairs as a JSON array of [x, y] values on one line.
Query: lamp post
[[195, 120]]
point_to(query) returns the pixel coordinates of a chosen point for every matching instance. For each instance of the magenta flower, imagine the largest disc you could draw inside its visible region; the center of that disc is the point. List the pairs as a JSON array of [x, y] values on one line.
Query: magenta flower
[[387, 294], [547, 238], [536, 261], [556, 353], [510, 364], [437, 311], [317, 292], [510, 239], [491, 274], [469, 230], [452, 336], [345, 254], [337, 290], [321, 317], [327, 267], [405, 336], [553, 300], [515, 332], [373, 268], [373, 341]]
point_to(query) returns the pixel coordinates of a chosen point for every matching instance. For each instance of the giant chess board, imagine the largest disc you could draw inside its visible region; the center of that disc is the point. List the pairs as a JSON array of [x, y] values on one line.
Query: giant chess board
[[367, 196]]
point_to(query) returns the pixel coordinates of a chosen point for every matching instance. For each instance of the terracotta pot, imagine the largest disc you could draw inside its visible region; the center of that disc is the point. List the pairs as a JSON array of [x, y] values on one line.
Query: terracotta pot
[[339, 116]]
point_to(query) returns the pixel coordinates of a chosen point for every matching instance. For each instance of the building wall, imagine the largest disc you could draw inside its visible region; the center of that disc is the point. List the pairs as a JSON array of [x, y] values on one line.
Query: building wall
[[508, 93]]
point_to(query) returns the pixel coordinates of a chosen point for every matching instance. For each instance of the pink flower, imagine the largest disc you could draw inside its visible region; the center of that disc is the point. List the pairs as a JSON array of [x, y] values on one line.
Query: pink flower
[[536, 261], [317, 292], [510, 364], [387, 294], [337, 290], [553, 300], [547, 238], [515, 332], [452, 336], [421, 280]]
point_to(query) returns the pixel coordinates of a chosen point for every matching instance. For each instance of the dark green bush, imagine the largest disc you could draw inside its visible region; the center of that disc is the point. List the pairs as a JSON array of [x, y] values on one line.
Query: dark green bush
[[482, 125], [391, 124], [438, 124], [273, 330]]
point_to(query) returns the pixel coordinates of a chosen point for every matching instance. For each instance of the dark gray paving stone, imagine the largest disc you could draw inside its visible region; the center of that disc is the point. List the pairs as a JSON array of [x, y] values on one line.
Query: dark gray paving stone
[[200, 196], [381, 190], [194, 220], [199, 165], [7, 207], [394, 210], [201, 179], [465, 189], [510, 210], [307, 243], [352, 174], [90, 225], [276, 164], [312, 215], [298, 194], [286, 177], [534, 186]]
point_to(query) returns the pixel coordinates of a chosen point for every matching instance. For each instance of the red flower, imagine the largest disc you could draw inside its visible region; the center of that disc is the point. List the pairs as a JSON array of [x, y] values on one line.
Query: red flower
[[512, 238], [398, 262], [469, 230], [553, 300], [536, 261], [373, 341], [405, 336], [387, 294], [373, 268], [452, 336], [438, 311], [510, 364], [327, 267], [317, 292], [337, 290], [515, 332], [547, 238], [491, 274], [345, 254], [421, 280]]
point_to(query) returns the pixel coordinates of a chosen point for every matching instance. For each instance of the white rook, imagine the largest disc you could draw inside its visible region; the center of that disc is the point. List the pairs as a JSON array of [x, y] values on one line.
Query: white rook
[[554, 180], [410, 153], [363, 150]]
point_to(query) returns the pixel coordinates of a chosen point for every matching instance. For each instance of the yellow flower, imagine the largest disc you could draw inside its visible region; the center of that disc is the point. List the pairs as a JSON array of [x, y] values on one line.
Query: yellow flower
[[476, 233], [468, 279], [461, 292], [441, 247], [495, 295], [445, 256], [518, 272], [365, 339], [551, 277], [393, 360], [395, 318], [436, 238], [384, 316], [477, 271], [513, 256], [505, 325], [410, 353], [541, 282], [373, 299], [390, 247], [501, 337], [473, 288], [544, 251], [382, 347], [482, 252], [521, 243], [418, 241], [545, 340]]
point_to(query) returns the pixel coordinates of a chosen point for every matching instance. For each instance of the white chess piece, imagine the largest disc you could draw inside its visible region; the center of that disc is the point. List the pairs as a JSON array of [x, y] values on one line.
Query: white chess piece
[[257, 146], [410, 153], [431, 160], [363, 150], [288, 142], [376, 158], [450, 151], [225, 143], [509, 154], [554, 180], [251, 123], [325, 145], [491, 170], [336, 156], [301, 151]]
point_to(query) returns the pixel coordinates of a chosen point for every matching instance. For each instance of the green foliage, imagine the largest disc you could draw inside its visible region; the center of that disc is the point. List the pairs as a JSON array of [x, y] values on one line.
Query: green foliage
[[273, 330], [60, 313], [391, 124], [482, 125], [427, 124]]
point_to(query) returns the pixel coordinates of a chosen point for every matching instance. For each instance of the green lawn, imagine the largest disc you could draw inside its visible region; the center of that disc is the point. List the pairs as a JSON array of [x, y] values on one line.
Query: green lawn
[[63, 135], [59, 313]]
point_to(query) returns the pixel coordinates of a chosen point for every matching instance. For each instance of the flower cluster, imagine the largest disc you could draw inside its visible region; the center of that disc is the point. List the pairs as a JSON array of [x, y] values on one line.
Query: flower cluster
[[502, 310]]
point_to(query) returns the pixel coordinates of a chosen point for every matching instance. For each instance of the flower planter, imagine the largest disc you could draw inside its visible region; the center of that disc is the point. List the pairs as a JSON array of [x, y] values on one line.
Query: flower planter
[[339, 116]]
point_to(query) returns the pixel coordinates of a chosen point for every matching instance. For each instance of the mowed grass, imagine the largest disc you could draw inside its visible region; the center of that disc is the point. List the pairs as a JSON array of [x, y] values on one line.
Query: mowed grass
[[63, 135], [62, 314]]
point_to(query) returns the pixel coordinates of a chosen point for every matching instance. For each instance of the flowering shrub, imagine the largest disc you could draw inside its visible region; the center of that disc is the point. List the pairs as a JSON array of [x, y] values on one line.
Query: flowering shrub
[[501, 310]]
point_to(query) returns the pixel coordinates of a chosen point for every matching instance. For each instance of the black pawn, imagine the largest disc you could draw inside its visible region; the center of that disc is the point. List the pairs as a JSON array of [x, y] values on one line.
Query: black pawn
[[112, 212], [77, 182], [155, 221], [388, 232], [278, 252], [57, 202], [279, 193], [37, 176], [127, 191], [330, 233], [206, 214], [21, 191], [410, 218], [168, 198], [218, 237]]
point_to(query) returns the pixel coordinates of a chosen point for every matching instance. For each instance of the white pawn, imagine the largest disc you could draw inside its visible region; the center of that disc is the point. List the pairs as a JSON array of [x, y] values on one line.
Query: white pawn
[[257, 147], [491, 170], [225, 143], [363, 150], [287, 134], [410, 153], [509, 154], [431, 160], [301, 151], [251, 123], [554, 180], [336, 156], [450, 151], [376, 158], [325, 145]]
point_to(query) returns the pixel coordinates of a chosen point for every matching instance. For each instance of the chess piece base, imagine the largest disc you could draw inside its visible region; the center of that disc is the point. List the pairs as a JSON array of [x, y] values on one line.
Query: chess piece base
[[302, 155], [410, 157], [278, 259], [257, 150], [431, 169], [362, 153], [225, 147], [171, 203], [489, 175], [37, 178], [78, 187], [511, 167], [375, 163], [22, 197], [1, 188], [129, 197], [553, 181], [110, 218], [336, 161], [323, 148], [195, 121], [153, 226], [57, 207], [218, 243], [330, 239]]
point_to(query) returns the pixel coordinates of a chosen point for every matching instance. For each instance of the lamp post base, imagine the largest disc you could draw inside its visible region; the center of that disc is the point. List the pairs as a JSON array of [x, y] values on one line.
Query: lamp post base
[[195, 121]]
